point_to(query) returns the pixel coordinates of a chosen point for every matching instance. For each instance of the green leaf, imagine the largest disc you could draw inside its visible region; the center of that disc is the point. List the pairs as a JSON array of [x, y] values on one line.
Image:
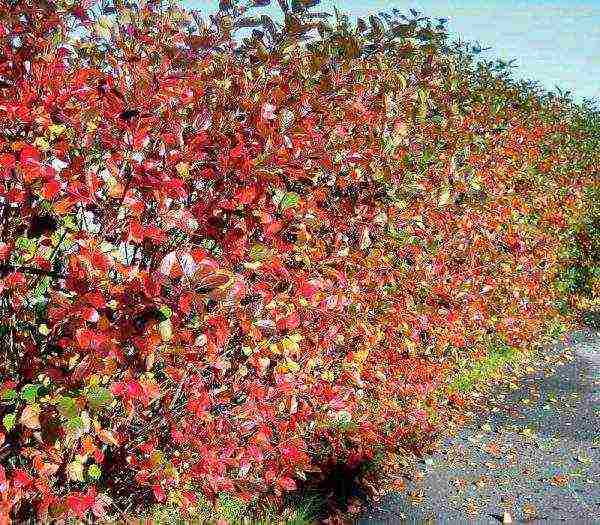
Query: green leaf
[[25, 244], [9, 394], [75, 423], [289, 200], [69, 222], [94, 471], [67, 407], [258, 252], [9, 421], [42, 288], [165, 312], [98, 396], [29, 392]]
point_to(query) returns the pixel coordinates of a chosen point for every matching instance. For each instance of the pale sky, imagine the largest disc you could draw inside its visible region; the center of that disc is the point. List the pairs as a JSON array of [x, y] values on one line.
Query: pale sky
[[556, 42]]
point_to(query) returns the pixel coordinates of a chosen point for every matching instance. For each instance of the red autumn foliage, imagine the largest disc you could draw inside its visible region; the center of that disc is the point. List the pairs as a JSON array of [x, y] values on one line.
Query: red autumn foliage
[[224, 264]]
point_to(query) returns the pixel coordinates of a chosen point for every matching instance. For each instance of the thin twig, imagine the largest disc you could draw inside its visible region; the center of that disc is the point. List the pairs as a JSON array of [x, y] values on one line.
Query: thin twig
[[6, 268]]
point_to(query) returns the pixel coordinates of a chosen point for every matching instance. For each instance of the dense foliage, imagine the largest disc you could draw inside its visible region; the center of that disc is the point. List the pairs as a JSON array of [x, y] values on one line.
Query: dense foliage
[[579, 277], [227, 262]]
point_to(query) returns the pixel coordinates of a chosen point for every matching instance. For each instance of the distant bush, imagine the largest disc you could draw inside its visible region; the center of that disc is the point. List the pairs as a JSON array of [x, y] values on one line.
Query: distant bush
[[579, 277], [226, 264]]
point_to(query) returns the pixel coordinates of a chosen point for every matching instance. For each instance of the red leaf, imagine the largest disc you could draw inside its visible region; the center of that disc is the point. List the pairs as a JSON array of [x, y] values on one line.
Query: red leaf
[[287, 483], [50, 189], [21, 479], [29, 154], [135, 390], [246, 195], [159, 493], [7, 161]]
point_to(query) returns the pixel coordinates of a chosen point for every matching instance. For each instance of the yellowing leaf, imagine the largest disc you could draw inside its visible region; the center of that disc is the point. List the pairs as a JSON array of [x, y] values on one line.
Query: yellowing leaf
[[166, 329], [292, 366], [75, 471], [444, 197], [290, 346]]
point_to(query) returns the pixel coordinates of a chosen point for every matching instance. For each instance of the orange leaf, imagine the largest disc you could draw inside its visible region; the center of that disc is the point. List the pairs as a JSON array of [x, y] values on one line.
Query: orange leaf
[[106, 436]]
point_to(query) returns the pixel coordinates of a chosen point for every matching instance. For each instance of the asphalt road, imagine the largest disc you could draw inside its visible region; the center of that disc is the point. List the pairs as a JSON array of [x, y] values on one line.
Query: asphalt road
[[534, 454]]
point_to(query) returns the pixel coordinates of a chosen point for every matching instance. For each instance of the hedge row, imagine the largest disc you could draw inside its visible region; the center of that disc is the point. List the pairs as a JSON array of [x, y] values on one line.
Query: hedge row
[[226, 263]]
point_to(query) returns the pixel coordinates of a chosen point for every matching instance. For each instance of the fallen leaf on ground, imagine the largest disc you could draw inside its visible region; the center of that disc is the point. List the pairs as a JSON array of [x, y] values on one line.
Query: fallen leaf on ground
[[529, 510], [493, 449], [559, 480]]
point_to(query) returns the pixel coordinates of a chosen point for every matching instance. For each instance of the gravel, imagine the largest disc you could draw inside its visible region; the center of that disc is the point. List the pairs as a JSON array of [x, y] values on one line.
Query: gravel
[[534, 455]]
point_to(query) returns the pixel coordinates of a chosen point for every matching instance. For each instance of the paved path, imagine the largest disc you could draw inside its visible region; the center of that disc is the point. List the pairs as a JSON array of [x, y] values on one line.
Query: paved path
[[535, 454]]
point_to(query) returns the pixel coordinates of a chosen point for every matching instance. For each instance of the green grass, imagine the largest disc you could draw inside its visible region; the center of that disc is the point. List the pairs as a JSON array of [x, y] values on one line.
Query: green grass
[[302, 509], [472, 374]]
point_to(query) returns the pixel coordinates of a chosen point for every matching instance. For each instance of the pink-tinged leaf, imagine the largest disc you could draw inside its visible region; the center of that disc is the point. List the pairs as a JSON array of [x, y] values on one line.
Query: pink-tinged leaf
[[309, 288], [29, 154], [287, 483], [5, 250], [135, 390], [159, 493], [168, 262], [100, 504], [176, 264], [268, 112], [3, 480]]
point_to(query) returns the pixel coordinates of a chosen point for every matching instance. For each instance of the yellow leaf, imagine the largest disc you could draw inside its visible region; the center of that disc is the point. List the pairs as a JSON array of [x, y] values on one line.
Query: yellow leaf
[[444, 197], [290, 346], [42, 143], [360, 356], [183, 169], [75, 471], [327, 375], [166, 330], [296, 337], [292, 366], [56, 129]]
